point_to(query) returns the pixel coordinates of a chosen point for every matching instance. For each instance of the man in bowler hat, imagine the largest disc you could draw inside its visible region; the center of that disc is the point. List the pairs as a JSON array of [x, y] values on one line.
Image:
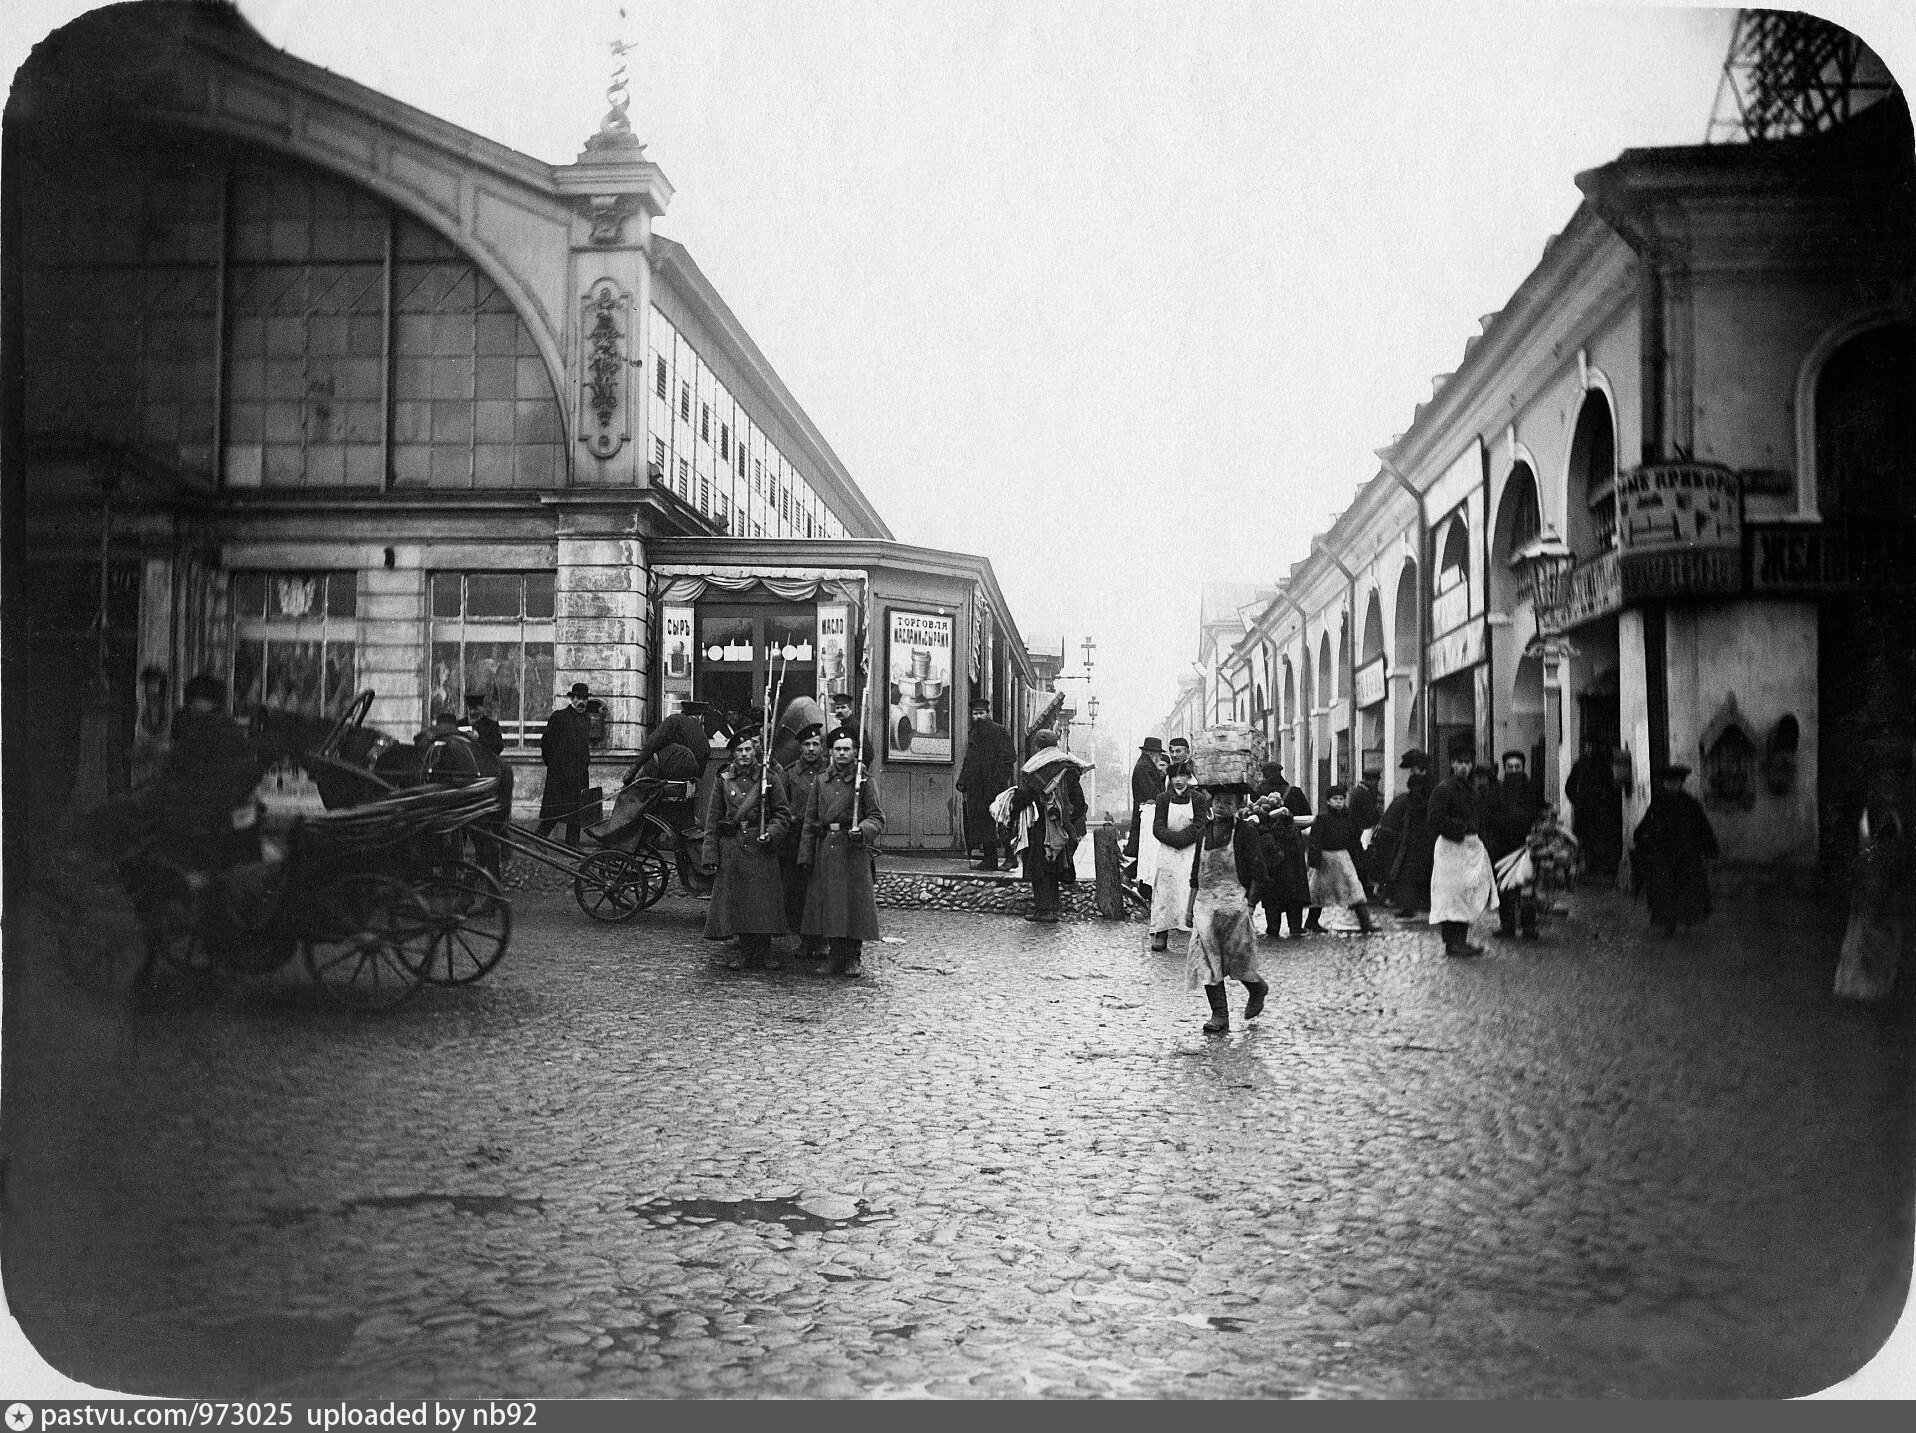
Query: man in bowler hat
[[566, 749]]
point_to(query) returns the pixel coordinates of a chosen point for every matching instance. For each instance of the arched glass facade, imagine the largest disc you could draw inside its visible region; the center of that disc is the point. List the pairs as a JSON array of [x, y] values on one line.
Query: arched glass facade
[[253, 323]]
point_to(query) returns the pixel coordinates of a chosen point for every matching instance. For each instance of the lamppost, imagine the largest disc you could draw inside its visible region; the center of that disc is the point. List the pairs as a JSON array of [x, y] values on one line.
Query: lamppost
[[1091, 777], [1089, 648]]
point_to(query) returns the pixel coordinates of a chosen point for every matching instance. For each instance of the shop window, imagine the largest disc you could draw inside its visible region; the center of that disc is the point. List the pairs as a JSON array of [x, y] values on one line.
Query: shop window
[[295, 640], [658, 372], [492, 633], [745, 650]]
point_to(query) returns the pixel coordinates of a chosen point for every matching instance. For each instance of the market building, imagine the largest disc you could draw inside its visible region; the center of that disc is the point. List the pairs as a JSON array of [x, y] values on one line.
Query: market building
[[1665, 502], [320, 393]]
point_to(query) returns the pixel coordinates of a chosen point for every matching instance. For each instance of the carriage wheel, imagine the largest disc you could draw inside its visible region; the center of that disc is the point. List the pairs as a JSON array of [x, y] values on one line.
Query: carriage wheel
[[658, 874], [616, 885], [471, 922], [375, 939]]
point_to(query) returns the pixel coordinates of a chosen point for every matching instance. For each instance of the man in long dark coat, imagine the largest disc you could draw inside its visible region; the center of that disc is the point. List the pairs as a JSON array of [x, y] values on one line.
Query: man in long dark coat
[[1509, 812], [1147, 780], [1410, 871], [841, 827], [566, 748], [203, 792], [1596, 811], [991, 764], [1673, 841]]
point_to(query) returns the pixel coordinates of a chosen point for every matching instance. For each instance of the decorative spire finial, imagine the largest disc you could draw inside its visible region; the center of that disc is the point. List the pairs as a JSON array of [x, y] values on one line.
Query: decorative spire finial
[[615, 130]]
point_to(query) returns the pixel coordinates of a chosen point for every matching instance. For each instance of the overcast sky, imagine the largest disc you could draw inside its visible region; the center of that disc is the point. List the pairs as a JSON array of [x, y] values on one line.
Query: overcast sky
[[1120, 295]]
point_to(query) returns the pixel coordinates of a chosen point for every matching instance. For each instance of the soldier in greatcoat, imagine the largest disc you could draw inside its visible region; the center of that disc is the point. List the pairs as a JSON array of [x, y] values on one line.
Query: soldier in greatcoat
[[804, 769], [841, 828], [748, 898]]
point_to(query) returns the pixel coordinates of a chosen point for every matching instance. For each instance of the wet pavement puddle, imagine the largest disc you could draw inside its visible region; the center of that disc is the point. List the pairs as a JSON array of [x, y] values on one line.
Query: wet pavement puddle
[[792, 1215], [458, 1203]]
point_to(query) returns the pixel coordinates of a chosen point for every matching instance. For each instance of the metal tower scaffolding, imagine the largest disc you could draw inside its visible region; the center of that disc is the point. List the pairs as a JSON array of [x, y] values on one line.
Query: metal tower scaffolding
[[1788, 73]]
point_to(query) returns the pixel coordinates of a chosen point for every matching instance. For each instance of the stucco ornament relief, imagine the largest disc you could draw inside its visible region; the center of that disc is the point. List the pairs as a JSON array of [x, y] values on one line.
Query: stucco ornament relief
[[604, 326]]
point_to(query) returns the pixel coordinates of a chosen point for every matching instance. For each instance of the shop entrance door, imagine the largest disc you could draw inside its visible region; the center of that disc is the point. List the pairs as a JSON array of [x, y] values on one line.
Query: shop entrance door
[[745, 649]]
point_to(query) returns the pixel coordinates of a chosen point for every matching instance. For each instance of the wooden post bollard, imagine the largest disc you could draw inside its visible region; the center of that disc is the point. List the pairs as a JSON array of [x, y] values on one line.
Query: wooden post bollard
[[1110, 869]]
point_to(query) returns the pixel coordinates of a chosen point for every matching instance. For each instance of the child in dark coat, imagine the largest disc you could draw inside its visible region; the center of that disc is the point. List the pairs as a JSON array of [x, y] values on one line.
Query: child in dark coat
[[1286, 886]]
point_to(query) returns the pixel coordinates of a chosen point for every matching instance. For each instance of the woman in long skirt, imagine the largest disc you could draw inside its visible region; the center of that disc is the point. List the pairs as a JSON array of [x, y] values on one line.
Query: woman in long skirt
[[842, 826], [1334, 878], [748, 896], [1223, 941], [1174, 831]]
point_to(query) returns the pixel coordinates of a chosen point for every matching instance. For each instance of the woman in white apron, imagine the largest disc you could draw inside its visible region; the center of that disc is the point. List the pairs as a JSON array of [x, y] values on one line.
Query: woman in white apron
[[1174, 831], [1223, 940], [1462, 883]]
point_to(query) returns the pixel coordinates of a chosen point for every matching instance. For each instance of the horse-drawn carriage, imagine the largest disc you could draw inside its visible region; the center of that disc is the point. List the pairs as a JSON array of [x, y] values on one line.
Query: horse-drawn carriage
[[377, 895], [380, 894]]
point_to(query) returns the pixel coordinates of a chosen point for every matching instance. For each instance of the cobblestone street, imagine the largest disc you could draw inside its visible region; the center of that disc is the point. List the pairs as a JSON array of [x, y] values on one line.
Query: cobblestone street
[[1005, 1164]]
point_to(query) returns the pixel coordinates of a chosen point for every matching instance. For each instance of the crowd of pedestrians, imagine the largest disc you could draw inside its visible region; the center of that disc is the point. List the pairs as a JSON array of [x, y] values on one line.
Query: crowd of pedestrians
[[1482, 839]]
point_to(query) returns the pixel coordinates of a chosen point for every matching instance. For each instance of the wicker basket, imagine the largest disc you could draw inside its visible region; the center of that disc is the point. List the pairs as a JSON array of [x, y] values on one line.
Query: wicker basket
[[1229, 754]]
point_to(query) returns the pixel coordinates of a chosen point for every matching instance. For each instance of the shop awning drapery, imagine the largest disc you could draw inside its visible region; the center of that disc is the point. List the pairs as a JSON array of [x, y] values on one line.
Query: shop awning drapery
[[796, 588]]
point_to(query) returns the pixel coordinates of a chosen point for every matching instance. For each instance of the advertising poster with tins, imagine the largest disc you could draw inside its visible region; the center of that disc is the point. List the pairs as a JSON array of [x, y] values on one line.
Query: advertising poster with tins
[[835, 660], [675, 650], [918, 680]]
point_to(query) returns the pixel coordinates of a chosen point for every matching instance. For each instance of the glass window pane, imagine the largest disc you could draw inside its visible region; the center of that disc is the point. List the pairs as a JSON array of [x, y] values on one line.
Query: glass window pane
[[492, 668], [492, 594], [340, 673], [248, 593], [295, 676], [249, 673], [539, 587], [342, 594], [295, 594], [445, 594], [537, 689], [443, 679]]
